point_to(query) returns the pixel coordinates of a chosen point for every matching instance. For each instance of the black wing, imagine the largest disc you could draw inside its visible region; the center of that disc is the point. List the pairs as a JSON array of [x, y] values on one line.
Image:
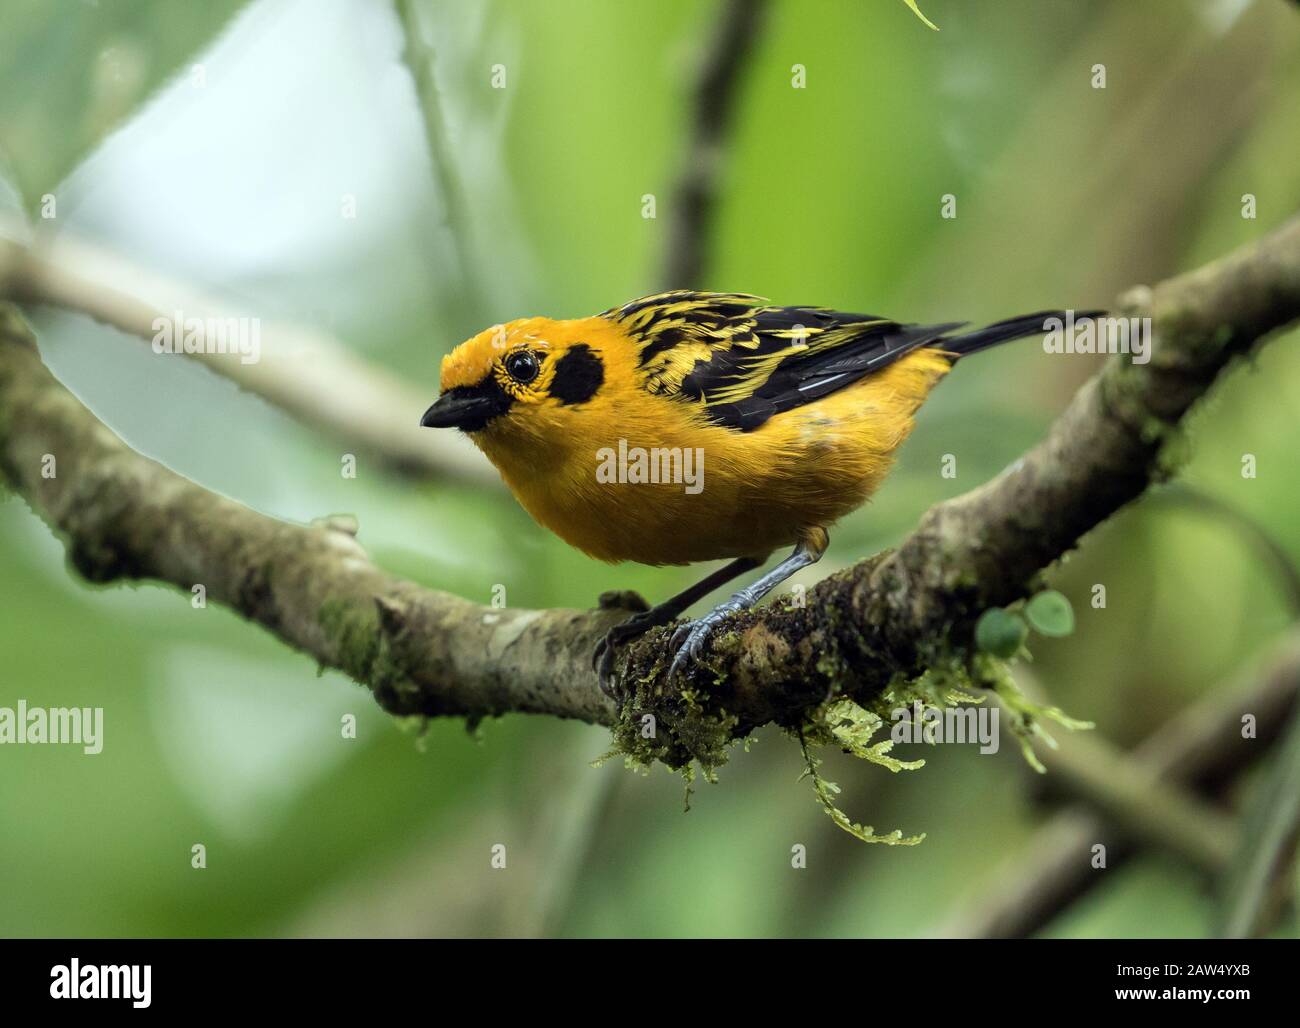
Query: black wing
[[743, 361]]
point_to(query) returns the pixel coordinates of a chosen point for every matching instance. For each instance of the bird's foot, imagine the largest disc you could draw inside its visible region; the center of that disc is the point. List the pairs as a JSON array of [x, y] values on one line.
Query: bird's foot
[[688, 641], [602, 660]]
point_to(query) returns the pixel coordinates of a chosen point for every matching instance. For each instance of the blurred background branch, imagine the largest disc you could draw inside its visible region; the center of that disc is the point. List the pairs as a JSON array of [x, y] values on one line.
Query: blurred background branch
[[312, 377], [420, 58], [127, 517], [712, 110], [1273, 554], [1260, 879], [1132, 796], [1202, 747]]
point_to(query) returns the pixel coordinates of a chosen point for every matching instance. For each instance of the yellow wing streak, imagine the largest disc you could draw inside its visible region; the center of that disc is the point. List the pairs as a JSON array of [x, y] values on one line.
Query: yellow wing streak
[[804, 343]]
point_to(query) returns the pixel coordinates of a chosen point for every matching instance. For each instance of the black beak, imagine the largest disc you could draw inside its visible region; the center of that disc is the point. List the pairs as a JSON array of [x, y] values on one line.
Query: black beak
[[467, 409]]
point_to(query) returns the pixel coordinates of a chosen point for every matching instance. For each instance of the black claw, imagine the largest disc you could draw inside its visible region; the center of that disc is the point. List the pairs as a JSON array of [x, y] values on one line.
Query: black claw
[[602, 658], [605, 676]]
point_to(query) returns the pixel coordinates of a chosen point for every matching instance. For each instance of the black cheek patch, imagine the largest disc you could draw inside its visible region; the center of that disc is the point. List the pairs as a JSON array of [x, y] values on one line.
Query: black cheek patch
[[578, 374]]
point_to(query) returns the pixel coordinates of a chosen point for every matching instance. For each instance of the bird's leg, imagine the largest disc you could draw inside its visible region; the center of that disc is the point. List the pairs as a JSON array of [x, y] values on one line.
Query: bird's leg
[[689, 639], [671, 609]]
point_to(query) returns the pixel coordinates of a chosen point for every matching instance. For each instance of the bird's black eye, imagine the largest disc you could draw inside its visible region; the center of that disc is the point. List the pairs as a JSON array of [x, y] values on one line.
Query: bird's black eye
[[522, 366]]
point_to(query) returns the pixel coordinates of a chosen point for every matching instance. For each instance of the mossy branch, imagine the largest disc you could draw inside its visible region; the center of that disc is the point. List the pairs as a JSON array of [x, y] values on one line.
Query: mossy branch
[[426, 652]]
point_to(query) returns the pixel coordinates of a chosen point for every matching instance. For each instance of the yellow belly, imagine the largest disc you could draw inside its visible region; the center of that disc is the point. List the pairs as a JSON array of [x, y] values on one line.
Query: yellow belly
[[734, 493]]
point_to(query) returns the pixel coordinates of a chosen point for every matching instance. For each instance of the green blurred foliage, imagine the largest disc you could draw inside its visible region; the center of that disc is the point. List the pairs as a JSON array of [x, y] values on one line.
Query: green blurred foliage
[[72, 71], [216, 734]]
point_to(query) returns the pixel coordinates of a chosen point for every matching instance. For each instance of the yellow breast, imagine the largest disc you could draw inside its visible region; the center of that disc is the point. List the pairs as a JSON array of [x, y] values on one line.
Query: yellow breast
[[633, 476]]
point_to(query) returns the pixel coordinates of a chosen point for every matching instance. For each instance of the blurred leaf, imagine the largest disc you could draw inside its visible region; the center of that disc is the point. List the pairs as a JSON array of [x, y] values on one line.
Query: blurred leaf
[[1050, 613], [1000, 632], [71, 72]]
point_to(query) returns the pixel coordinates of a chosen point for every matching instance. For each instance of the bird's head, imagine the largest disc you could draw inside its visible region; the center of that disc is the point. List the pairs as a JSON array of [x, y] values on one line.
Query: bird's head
[[521, 377]]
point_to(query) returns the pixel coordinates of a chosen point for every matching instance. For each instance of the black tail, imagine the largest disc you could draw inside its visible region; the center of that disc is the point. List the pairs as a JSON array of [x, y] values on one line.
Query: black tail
[[1004, 331]]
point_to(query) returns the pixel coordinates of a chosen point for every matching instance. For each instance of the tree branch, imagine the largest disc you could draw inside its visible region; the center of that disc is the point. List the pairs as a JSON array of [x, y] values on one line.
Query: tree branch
[[1202, 747], [1265, 859], [713, 103], [419, 56], [1131, 796], [310, 376], [427, 652], [127, 517], [1266, 546]]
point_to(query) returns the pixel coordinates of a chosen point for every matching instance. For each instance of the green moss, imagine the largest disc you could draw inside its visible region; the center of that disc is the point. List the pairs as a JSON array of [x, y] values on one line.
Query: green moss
[[362, 650], [690, 732], [354, 630], [1175, 453], [951, 678], [415, 725], [832, 667], [826, 791], [1027, 717], [679, 732]]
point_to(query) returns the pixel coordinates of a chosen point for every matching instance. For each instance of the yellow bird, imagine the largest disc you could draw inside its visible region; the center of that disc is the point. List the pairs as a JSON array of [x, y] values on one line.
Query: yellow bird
[[691, 426]]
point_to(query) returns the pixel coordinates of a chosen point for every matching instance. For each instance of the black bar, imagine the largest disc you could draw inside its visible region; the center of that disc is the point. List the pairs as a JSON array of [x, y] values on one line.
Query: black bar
[[210, 976]]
